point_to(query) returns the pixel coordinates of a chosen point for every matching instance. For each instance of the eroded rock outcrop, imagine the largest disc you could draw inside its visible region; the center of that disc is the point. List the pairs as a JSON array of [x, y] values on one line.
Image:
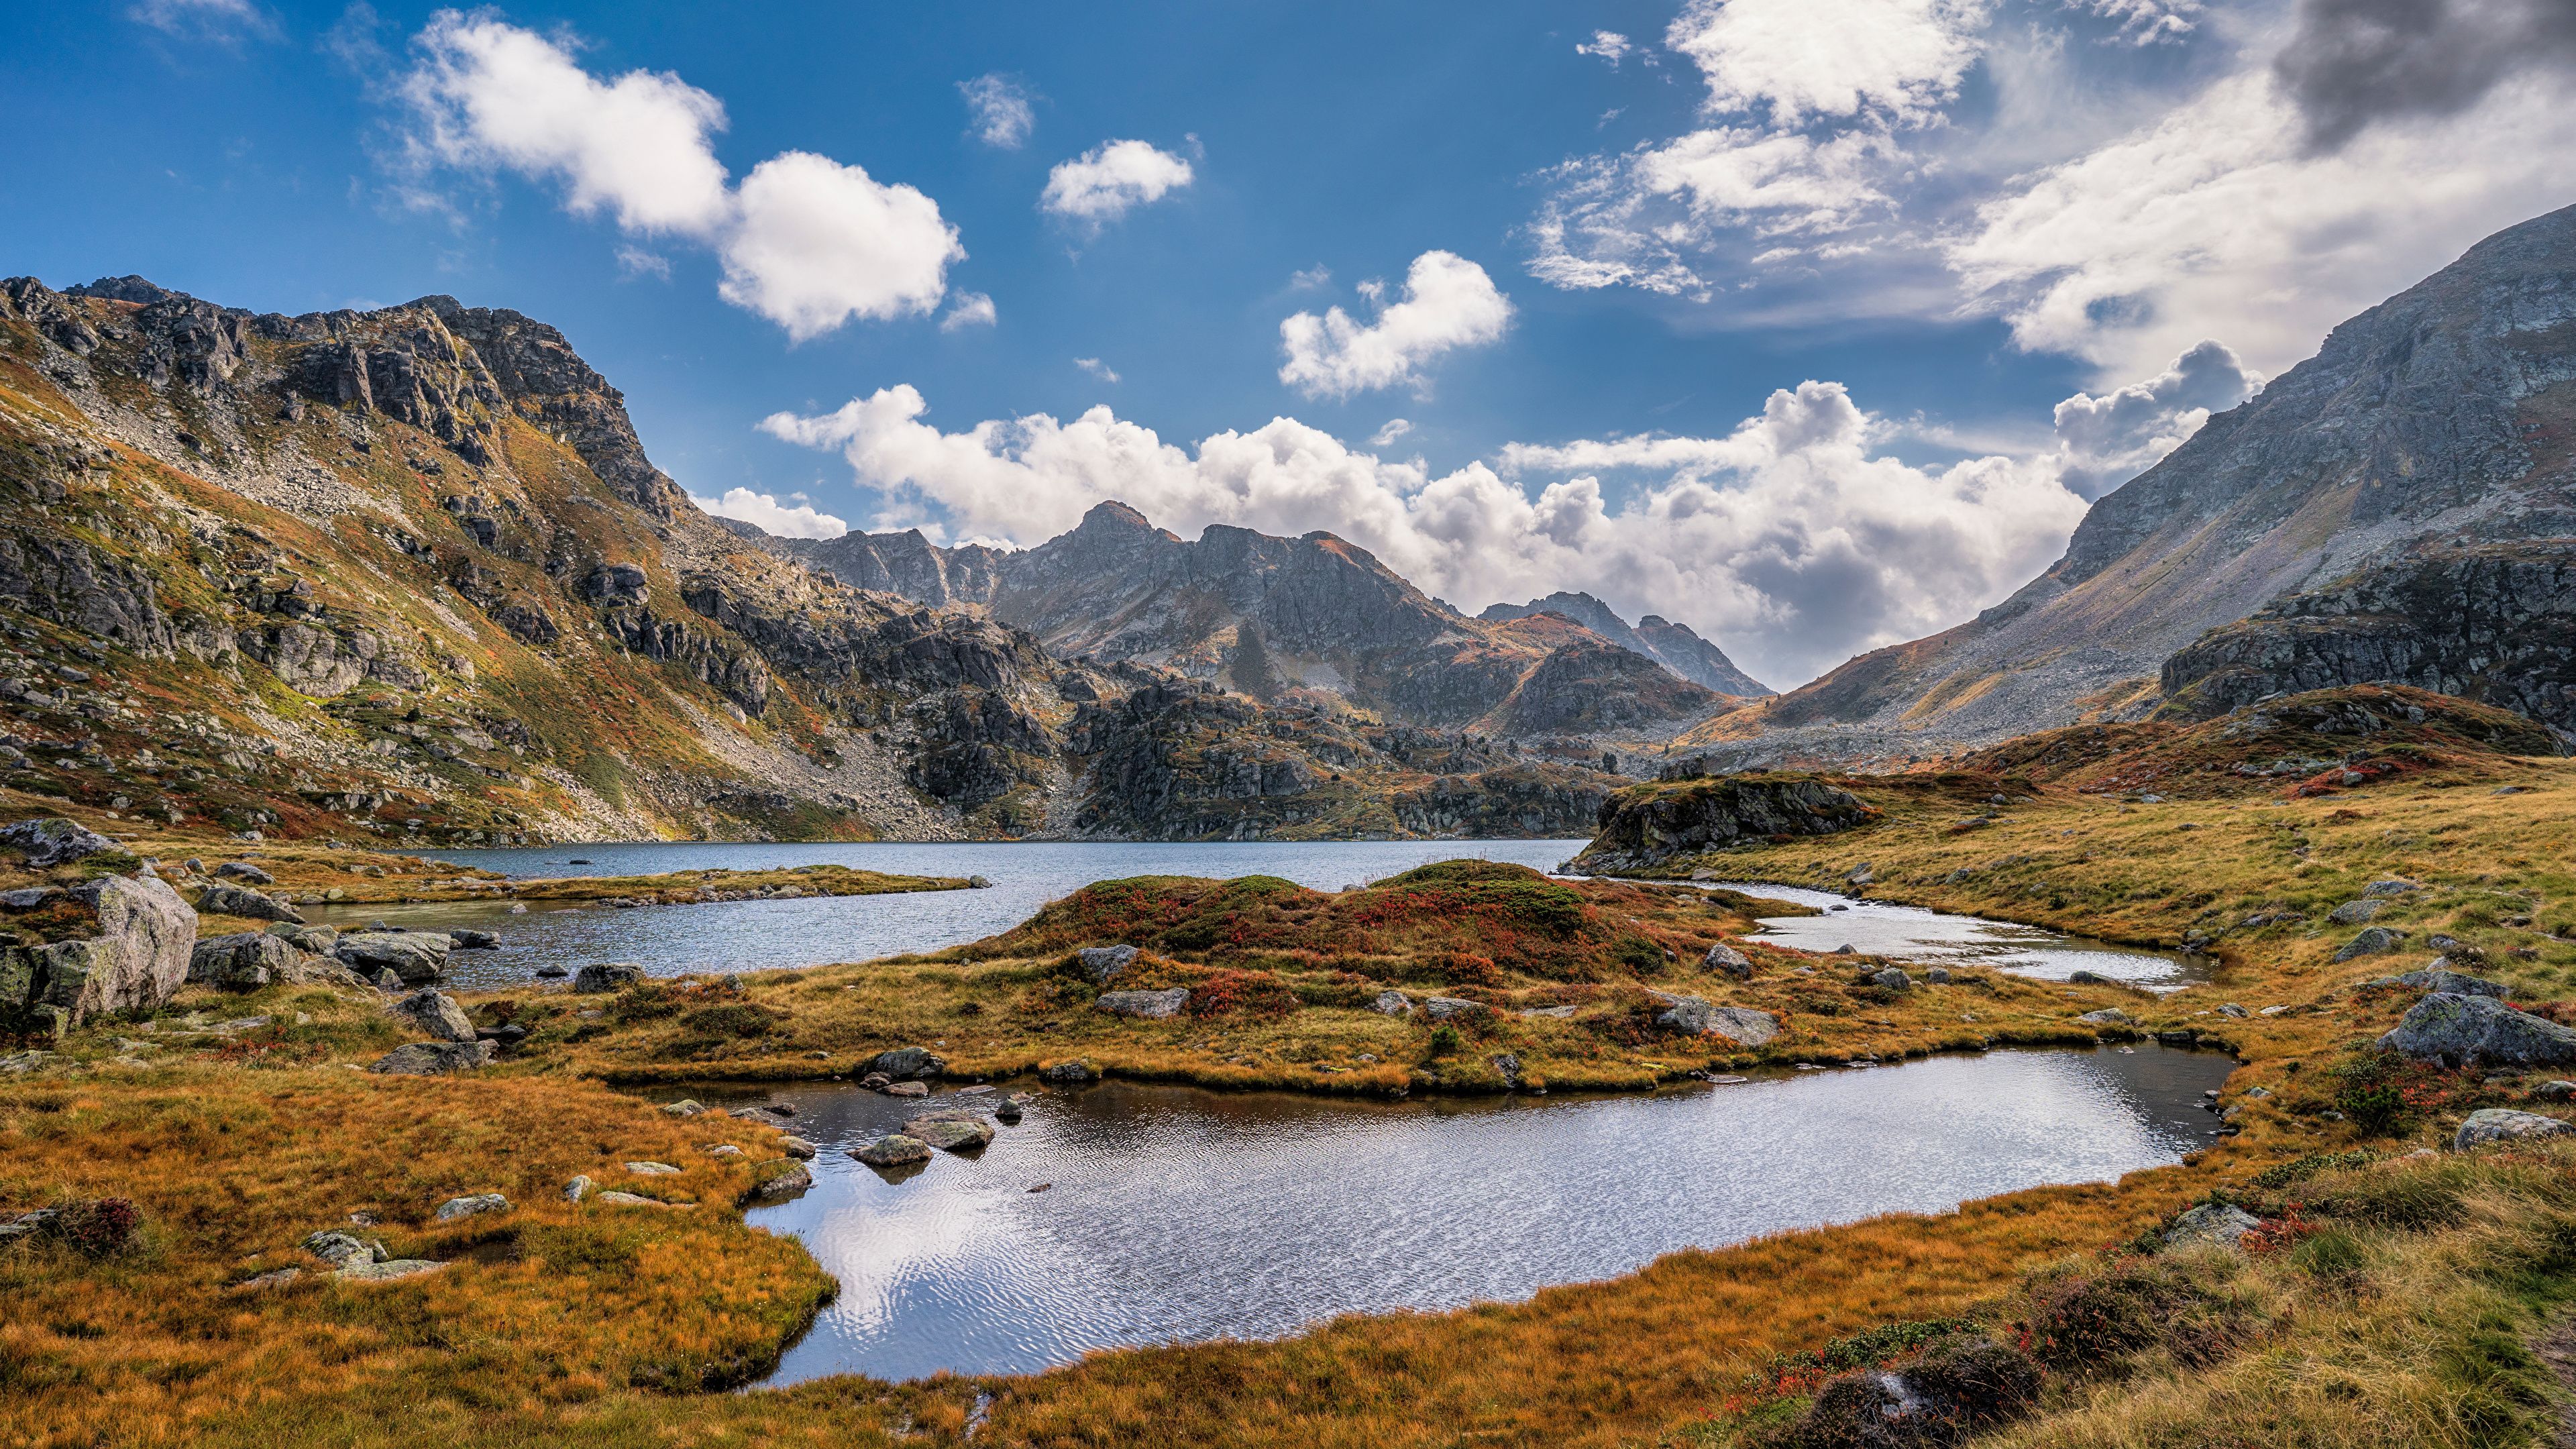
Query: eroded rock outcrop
[[1645, 827]]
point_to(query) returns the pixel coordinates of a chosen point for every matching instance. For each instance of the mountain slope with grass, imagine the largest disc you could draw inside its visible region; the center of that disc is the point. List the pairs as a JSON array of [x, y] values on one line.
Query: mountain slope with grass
[[2399, 508]]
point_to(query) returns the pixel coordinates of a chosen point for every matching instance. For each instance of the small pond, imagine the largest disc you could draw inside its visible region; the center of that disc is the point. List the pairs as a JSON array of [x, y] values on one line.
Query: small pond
[[1173, 1214], [756, 935], [1911, 933]]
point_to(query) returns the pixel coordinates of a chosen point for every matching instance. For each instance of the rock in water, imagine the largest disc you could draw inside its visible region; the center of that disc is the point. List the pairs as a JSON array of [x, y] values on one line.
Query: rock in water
[[414, 956], [2499, 1124], [2220, 1223], [1642, 830], [465, 940], [437, 1013], [895, 1150], [2462, 1031], [429, 1058], [795, 1146], [950, 1131], [1154, 1005], [605, 976], [55, 841], [780, 1177]]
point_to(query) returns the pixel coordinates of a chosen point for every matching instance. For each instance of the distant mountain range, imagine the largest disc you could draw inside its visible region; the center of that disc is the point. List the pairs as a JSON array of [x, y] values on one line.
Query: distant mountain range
[[2399, 508], [1670, 644]]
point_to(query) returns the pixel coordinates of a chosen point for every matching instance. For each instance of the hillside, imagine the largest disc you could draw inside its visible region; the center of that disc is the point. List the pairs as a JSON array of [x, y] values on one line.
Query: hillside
[[1675, 646], [2397, 508], [408, 573], [1314, 619]]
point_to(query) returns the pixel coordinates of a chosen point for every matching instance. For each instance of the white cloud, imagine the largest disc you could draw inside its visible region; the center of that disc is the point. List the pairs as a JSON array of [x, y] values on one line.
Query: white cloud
[[971, 309], [1001, 109], [1787, 539], [208, 19], [764, 509], [2218, 220], [1797, 60], [2146, 22], [807, 242], [1610, 45], [820, 243], [634, 261], [1395, 428], [1097, 368], [1313, 278], [1105, 182], [2106, 441], [1448, 303]]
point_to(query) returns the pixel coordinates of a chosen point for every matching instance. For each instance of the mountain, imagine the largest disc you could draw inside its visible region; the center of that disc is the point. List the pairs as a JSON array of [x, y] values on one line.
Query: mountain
[[2398, 508], [1670, 644], [1315, 619], [408, 573]]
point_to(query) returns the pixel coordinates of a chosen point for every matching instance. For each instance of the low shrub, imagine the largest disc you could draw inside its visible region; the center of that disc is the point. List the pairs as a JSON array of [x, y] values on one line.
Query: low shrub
[[736, 1020], [1256, 994], [97, 1228]]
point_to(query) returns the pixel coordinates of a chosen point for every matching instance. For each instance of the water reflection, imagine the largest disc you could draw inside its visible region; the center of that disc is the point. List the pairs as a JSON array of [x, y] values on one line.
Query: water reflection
[[1911, 933], [1181, 1215]]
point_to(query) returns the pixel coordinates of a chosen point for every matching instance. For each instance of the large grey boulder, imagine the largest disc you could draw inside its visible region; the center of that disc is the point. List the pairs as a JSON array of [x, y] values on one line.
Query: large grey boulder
[[905, 1064], [2355, 913], [2437, 977], [2461, 1031], [1453, 1008], [437, 1013], [895, 1150], [950, 1131], [139, 957], [780, 1177], [219, 899], [1392, 1003], [248, 960], [599, 976], [55, 841], [1154, 1005], [2107, 1016], [1891, 978], [1102, 962], [2490, 1125], [245, 872], [415, 956], [1074, 1073], [1723, 957], [2376, 941], [471, 1205], [431, 1058], [1743, 1025], [1685, 1014]]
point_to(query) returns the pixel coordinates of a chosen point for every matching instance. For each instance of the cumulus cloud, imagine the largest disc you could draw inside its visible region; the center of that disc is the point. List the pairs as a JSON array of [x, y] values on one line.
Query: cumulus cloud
[[2106, 441], [204, 19], [1797, 60], [806, 241], [971, 309], [1448, 303], [1791, 538], [2146, 22], [801, 521], [1097, 368], [1111, 179], [1000, 106], [1610, 45], [1395, 428]]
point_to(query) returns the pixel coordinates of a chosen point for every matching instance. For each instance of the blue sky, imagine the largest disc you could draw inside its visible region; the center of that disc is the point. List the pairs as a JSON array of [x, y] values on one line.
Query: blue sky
[[1758, 314]]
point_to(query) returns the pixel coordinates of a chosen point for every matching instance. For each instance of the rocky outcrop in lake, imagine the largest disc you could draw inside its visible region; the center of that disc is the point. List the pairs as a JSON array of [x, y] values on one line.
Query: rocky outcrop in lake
[[1645, 827]]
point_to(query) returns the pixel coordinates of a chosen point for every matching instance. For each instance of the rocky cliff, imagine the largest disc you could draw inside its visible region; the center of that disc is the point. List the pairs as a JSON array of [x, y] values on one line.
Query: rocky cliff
[[1675, 646], [408, 573], [2400, 507]]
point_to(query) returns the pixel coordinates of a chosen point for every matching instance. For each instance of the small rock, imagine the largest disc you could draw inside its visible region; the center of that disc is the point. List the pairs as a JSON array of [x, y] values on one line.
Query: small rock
[[795, 1146], [415, 956], [685, 1107], [2375, 941], [242, 870], [335, 1247], [1891, 979], [1009, 1108], [629, 1199], [894, 1150], [1938, 975], [2232, 1009], [1447, 1008], [1075, 1072], [906, 1062], [2391, 887], [435, 1012], [2221, 1223], [27, 898], [1103, 962], [2437, 977], [651, 1169], [780, 1177], [907, 1089], [1743, 1025], [604, 976], [950, 1131], [552, 972], [1685, 1014], [2556, 1091], [2089, 978], [265, 1281], [1154, 1005], [1392, 1003], [474, 940], [388, 1270], [471, 1205], [2107, 1016], [1722, 957], [2490, 1125], [2354, 913], [723, 1149], [429, 1058], [229, 900], [577, 1189]]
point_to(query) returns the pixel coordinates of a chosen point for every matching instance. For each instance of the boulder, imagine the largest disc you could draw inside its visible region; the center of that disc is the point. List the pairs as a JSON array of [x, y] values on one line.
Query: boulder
[[2089, 978], [413, 956], [1075, 1072], [139, 957], [2436, 977], [1743, 1025], [2107, 1016], [2461, 1031], [907, 1063], [2391, 887], [242, 870], [895, 1150], [474, 940], [950, 1131], [2221, 1223], [28, 898], [248, 960], [429, 1058], [2375, 941], [388, 1270], [780, 1177], [604, 976], [1892, 978], [471, 1205], [629, 1199], [2490, 1125], [435, 1012], [336, 1248], [795, 1146], [2355, 913], [1452, 1008], [1723, 957], [906, 1089], [1102, 962], [232, 900], [685, 1107], [1685, 1014], [2556, 1092], [55, 841], [1392, 1003], [1938, 975], [578, 1188], [651, 1169], [1155, 1005], [1010, 1108]]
